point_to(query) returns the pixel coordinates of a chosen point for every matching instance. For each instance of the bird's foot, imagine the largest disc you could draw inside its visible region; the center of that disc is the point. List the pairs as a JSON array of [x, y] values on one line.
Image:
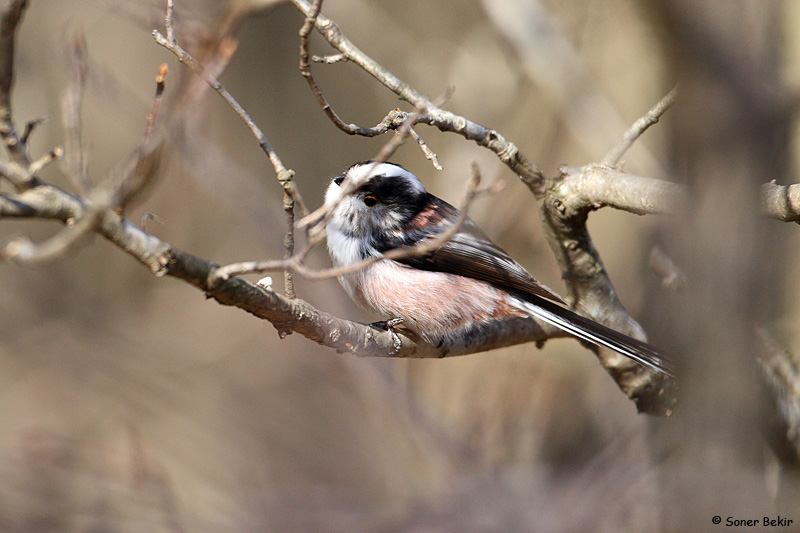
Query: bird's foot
[[389, 325]]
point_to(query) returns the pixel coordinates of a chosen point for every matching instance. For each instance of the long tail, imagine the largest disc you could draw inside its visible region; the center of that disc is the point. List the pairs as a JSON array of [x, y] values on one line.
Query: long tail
[[598, 334]]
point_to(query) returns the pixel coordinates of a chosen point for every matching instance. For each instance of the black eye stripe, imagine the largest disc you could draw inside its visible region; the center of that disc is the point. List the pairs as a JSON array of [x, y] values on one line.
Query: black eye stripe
[[338, 180]]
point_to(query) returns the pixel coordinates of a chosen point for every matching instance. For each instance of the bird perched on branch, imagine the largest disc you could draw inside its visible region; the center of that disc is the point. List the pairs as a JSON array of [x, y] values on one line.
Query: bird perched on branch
[[443, 292]]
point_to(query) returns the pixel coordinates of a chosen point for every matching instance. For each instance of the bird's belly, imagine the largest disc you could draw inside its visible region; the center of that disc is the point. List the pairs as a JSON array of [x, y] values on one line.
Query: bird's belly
[[434, 305]]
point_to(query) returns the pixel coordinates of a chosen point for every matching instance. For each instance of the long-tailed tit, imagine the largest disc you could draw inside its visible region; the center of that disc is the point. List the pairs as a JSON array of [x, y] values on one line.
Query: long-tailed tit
[[466, 281]]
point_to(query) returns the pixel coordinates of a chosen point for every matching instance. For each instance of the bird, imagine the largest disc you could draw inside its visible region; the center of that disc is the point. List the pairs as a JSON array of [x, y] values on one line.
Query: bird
[[464, 282]]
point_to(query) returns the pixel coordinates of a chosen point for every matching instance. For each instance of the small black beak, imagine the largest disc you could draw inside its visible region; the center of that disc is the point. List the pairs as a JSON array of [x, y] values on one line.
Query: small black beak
[[338, 180]]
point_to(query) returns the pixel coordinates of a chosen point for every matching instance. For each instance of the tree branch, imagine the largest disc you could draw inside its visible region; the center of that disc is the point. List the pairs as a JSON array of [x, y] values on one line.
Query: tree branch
[[434, 116], [588, 284], [639, 127], [287, 315], [9, 21], [566, 201], [291, 195], [595, 186], [781, 202]]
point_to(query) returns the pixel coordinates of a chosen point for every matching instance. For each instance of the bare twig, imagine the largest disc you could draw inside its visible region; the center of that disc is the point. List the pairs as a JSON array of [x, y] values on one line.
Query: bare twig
[[169, 22], [31, 126], [305, 71], [295, 263], [141, 176], [25, 178], [186, 58], [45, 160], [422, 104], [24, 251], [9, 21], [288, 238], [285, 176], [445, 121], [75, 159], [639, 127], [151, 118], [183, 56], [331, 59], [429, 154]]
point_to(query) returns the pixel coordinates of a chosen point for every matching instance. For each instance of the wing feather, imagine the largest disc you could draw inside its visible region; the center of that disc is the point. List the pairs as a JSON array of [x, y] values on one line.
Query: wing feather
[[469, 253]]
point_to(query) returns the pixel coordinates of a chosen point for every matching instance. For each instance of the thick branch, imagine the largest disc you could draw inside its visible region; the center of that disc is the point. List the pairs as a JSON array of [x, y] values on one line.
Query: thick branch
[[590, 290], [781, 202], [285, 314], [567, 229], [595, 186]]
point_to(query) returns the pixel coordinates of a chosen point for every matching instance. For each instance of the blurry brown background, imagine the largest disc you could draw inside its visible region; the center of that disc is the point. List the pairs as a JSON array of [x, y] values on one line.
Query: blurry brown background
[[131, 403]]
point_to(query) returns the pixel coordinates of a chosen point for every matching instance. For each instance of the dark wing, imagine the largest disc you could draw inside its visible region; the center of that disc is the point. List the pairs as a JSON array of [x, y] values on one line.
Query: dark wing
[[468, 253]]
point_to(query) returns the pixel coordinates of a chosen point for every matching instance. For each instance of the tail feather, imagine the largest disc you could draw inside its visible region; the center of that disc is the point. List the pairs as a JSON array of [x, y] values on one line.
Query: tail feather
[[598, 334]]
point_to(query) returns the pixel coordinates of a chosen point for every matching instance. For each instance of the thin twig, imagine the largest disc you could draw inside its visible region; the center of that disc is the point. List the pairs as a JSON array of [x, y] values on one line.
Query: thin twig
[[24, 251], [639, 127], [24, 178], [317, 219], [288, 242], [331, 59], [295, 263], [445, 121], [169, 24], [139, 178], [184, 57], [9, 21], [30, 126], [46, 159], [352, 129], [75, 159], [429, 154], [285, 176], [305, 71]]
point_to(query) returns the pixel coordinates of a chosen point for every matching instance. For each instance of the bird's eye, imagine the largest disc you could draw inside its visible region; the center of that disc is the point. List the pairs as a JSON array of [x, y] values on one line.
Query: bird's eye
[[370, 200]]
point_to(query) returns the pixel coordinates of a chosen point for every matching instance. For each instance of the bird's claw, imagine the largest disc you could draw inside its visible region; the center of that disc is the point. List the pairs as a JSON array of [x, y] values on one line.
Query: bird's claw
[[389, 326]]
